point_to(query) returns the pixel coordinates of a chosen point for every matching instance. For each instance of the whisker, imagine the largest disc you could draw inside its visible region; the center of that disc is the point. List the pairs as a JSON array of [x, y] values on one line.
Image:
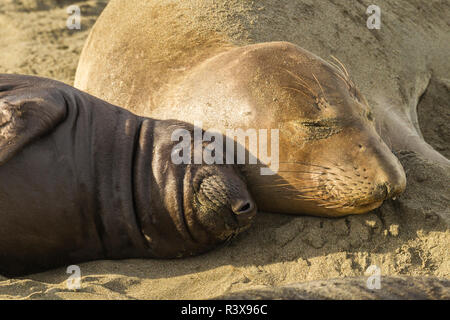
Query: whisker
[[336, 67], [302, 82], [309, 172], [287, 184], [299, 196], [305, 164], [297, 91], [273, 185], [345, 80], [327, 199], [296, 76], [335, 165], [303, 180], [331, 206], [308, 190], [341, 64], [313, 93], [320, 86]]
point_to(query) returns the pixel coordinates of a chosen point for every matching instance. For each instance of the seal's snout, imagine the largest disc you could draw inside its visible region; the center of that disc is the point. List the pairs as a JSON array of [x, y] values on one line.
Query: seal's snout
[[224, 206], [395, 184], [242, 205], [391, 174]]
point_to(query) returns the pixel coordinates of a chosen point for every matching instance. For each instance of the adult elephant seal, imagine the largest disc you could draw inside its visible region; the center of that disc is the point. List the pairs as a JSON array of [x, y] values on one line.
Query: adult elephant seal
[[332, 162], [81, 179]]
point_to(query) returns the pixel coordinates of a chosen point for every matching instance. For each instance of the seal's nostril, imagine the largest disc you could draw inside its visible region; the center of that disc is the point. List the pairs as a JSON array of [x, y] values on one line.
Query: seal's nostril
[[245, 207], [391, 191], [242, 206], [388, 189]]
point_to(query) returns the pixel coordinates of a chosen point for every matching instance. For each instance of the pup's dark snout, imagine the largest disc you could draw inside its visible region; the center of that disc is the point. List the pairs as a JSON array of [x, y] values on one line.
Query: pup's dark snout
[[242, 205]]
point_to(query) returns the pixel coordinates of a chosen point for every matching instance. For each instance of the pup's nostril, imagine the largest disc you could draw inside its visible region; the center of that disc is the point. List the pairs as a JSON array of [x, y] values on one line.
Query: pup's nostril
[[245, 207], [240, 206]]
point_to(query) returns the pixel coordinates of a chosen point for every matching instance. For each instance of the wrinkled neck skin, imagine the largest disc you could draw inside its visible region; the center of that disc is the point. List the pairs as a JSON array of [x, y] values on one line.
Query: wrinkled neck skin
[[164, 195], [143, 200], [103, 147]]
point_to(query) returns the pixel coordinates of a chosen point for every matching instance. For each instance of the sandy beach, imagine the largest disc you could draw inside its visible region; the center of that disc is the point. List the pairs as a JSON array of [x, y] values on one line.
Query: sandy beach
[[406, 236]]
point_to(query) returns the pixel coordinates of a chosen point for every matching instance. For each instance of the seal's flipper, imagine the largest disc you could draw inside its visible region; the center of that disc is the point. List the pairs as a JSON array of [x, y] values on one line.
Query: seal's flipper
[[28, 110]]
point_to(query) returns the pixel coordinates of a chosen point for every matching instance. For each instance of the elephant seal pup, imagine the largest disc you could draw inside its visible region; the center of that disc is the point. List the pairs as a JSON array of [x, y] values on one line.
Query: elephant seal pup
[[81, 179]]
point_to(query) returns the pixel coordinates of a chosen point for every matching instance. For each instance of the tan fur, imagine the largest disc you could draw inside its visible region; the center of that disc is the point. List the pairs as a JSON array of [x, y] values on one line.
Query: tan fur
[[172, 59]]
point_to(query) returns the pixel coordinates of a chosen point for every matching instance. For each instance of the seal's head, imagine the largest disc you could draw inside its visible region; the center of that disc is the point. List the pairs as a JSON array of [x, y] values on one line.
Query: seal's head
[[195, 206], [332, 162]]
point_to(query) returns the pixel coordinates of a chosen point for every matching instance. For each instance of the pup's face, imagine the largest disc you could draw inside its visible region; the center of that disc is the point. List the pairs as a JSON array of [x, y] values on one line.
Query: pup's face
[[221, 203]]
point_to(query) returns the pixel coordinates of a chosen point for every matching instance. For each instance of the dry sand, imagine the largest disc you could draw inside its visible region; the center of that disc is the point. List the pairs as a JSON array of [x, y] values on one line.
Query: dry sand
[[404, 237]]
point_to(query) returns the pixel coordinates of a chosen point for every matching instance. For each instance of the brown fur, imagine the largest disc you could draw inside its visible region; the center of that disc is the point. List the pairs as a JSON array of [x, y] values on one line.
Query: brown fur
[[81, 179]]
